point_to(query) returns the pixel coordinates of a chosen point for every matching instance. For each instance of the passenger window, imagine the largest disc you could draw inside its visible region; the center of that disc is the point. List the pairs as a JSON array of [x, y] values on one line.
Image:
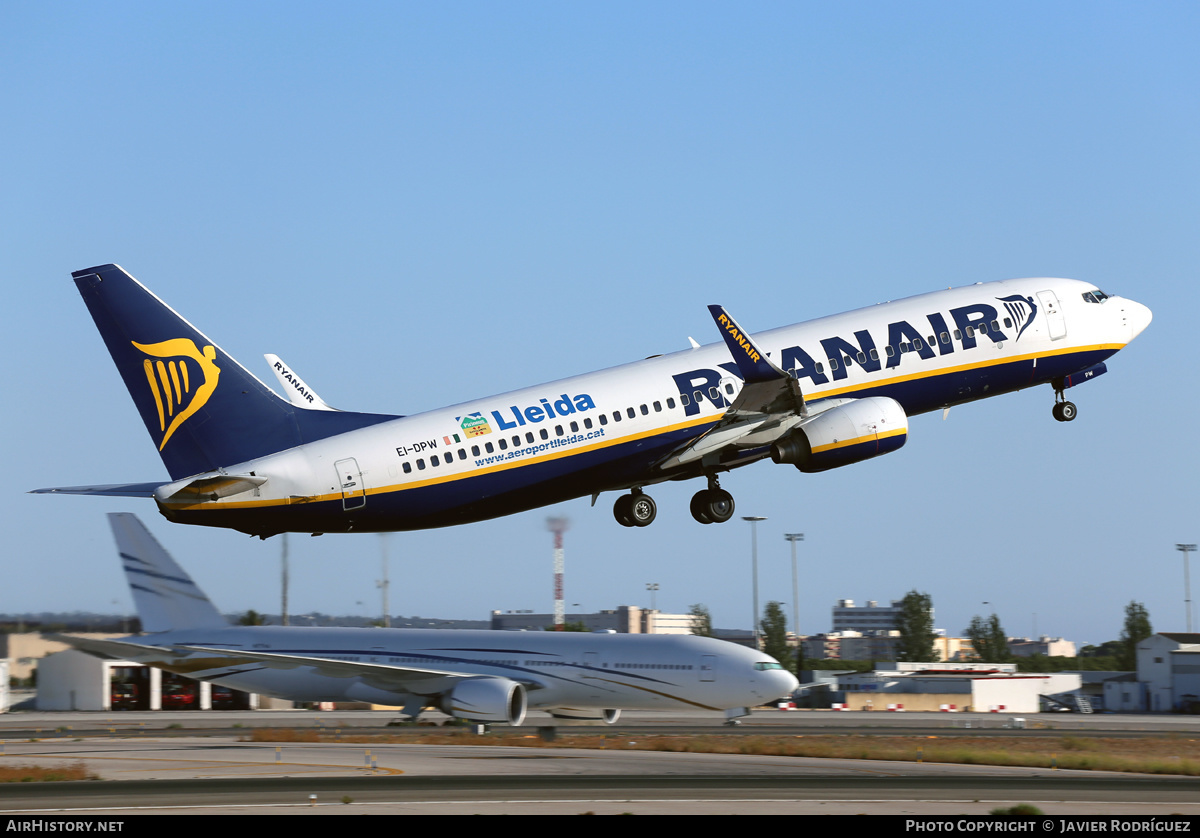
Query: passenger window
[[616, 416], [420, 465], [449, 456], [587, 423], [645, 410], [995, 326], [917, 344], [874, 354], [862, 359], [670, 404], [434, 460], [957, 334], [684, 400], [658, 407], [474, 450], [603, 419], [407, 466], [970, 331], [714, 393], [487, 446], [833, 364], [503, 444], [462, 454], [890, 350], [544, 433], [574, 427], [516, 440], [729, 389], [945, 337], [558, 429], [820, 367], [983, 328], [630, 412], [699, 396], [1008, 322], [529, 437]]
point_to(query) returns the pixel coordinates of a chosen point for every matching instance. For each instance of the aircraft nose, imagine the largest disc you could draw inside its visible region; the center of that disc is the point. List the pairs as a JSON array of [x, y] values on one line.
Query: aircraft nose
[[1137, 317], [781, 683]]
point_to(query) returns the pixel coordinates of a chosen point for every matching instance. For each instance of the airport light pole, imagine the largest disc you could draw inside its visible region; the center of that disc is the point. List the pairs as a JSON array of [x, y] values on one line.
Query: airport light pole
[[1187, 583], [754, 519], [793, 537]]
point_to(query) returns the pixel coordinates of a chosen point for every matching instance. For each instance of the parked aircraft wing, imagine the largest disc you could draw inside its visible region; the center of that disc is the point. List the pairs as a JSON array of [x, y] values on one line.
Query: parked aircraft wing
[[380, 675]]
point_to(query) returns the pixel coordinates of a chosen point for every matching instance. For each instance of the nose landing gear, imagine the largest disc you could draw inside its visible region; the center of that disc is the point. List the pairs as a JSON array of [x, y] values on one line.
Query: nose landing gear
[[1064, 411]]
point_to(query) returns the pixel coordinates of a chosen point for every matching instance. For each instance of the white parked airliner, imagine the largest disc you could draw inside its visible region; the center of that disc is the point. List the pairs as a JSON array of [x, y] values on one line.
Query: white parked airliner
[[817, 395], [486, 676]]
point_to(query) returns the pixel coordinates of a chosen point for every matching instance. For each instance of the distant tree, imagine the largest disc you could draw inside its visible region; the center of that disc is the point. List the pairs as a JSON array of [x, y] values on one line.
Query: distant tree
[[252, 618], [569, 625], [915, 623], [774, 633], [988, 639], [701, 620], [1137, 628]]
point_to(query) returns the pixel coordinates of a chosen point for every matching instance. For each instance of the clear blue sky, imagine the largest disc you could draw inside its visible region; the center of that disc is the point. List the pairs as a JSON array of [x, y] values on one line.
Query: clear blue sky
[[417, 204]]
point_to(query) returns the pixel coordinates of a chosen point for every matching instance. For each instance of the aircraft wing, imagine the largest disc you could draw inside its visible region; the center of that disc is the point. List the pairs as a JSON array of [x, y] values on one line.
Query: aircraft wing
[[112, 490], [769, 405], [381, 675]]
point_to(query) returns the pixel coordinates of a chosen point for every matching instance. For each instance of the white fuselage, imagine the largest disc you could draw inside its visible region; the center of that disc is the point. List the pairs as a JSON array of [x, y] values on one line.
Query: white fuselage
[[615, 429]]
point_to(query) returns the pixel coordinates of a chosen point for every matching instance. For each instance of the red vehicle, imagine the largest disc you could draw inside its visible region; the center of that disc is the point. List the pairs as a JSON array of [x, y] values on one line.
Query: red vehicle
[[124, 696], [179, 696]]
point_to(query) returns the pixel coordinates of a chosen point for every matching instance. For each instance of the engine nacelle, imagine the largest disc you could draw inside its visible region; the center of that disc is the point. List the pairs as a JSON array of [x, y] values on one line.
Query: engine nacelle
[[486, 700], [609, 717], [852, 432]]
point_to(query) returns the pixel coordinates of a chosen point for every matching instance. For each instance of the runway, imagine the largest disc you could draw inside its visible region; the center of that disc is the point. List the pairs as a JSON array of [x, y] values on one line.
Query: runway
[[159, 769]]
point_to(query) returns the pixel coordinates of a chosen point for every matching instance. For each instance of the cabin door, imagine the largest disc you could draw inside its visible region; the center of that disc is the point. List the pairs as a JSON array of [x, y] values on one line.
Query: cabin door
[[1055, 321], [354, 495]]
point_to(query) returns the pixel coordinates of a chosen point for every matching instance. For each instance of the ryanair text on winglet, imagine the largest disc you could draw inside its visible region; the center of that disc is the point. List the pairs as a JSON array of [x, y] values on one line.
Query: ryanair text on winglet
[[732, 328]]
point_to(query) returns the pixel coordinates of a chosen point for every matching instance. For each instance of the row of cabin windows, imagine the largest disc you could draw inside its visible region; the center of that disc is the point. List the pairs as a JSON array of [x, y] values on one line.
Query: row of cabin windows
[[544, 433], [917, 344]]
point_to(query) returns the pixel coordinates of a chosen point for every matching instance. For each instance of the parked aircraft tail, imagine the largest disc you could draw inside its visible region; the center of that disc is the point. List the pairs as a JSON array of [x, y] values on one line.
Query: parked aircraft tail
[[165, 596], [203, 409]]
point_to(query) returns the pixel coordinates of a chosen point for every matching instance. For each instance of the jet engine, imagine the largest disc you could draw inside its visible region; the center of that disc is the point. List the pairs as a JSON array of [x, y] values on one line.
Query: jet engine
[[609, 717], [855, 430], [486, 700]]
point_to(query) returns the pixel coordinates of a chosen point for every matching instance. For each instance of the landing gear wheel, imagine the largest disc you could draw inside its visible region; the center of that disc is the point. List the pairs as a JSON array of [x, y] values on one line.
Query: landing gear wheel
[[1065, 411], [642, 510], [635, 510], [712, 506], [622, 510]]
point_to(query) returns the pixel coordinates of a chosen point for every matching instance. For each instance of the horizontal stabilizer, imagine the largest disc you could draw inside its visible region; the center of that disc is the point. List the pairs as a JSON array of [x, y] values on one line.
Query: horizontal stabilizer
[[208, 488], [111, 490]]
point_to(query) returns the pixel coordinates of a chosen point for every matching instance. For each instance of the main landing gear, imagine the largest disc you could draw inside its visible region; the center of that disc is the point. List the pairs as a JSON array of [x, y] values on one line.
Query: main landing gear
[[635, 509], [1064, 411], [709, 506], [712, 505]]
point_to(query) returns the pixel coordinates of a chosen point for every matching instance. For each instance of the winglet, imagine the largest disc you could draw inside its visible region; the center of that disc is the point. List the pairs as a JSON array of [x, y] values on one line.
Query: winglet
[[753, 363]]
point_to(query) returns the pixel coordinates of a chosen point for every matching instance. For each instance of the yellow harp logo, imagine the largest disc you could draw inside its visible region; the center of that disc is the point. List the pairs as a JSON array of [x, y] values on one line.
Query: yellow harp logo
[[181, 377]]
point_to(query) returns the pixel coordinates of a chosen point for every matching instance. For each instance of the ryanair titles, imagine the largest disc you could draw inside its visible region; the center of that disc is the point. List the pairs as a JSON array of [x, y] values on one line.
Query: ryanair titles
[[564, 405], [905, 340]]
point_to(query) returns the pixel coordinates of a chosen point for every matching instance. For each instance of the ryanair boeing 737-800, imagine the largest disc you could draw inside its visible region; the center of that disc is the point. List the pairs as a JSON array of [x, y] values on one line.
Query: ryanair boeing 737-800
[[816, 395]]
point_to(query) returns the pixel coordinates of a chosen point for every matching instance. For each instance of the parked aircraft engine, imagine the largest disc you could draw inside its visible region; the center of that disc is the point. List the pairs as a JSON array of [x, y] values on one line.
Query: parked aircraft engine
[[609, 717], [856, 430], [486, 700]]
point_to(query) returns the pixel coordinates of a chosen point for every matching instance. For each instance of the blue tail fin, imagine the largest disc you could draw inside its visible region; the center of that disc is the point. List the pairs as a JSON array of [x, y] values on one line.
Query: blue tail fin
[[203, 409], [165, 596]]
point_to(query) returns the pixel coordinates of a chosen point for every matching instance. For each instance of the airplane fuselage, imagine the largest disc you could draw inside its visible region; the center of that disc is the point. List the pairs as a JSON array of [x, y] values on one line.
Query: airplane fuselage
[[616, 429], [558, 670]]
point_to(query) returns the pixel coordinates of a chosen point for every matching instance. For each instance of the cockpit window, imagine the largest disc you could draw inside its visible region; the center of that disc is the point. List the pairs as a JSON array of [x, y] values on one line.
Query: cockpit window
[[765, 665], [1096, 296]]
